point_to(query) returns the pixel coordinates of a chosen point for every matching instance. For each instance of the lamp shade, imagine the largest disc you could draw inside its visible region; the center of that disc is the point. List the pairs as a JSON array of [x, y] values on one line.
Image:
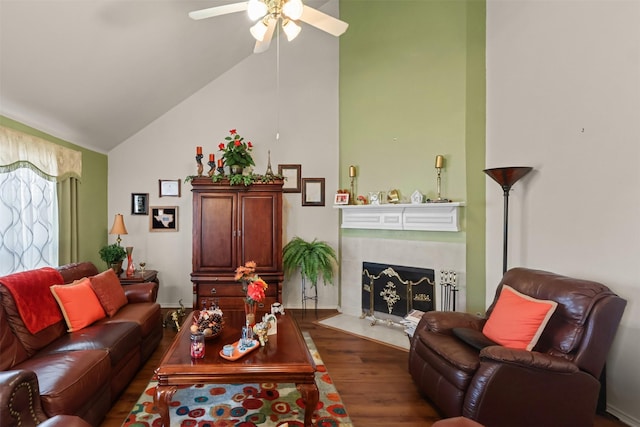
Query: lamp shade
[[508, 176], [258, 30], [118, 225], [291, 30]]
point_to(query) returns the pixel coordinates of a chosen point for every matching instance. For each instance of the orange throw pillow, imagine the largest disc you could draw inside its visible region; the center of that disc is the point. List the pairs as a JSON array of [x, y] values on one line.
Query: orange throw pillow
[[79, 304], [109, 291], [517, 320]]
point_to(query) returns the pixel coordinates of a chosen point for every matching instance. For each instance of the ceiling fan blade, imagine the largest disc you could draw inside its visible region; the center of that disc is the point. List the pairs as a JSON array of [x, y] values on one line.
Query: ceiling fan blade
[[262, 46], [218, 10], [323, 21]]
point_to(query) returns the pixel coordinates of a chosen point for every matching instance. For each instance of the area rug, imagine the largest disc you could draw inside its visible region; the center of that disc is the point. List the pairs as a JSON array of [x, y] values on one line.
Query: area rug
[[391, 335], [244, 405]]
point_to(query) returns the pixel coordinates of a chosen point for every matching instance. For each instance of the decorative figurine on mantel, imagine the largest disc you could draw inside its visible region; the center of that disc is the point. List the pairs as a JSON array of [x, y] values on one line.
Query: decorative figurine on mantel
[[417, 197]]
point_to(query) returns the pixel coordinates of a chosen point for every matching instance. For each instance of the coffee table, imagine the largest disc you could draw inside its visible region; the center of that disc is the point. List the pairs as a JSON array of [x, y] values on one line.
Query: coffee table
[[284, 359]]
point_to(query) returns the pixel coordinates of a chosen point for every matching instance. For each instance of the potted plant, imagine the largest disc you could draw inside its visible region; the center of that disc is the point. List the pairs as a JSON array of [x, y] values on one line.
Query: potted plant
[[316, 260], [236, 153], [113, 255]]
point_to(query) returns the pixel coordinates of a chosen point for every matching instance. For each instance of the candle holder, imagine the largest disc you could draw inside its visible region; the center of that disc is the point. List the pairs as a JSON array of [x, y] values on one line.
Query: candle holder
[[212, 168], [439, 166], [199, 164], [352, 176]]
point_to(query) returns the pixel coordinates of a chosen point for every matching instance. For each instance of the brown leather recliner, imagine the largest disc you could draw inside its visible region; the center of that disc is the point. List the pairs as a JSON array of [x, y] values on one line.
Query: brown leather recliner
[[556, 384]]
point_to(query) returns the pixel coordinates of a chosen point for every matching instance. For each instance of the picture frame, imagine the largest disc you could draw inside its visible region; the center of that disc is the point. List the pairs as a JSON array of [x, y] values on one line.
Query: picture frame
[[312, 191], [139, 203], [169, 188], [292, 175], [341, 199], [163, 218]]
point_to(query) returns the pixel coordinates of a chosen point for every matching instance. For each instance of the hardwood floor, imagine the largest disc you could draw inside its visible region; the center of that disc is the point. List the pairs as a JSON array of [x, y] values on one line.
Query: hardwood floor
[[372, 379]]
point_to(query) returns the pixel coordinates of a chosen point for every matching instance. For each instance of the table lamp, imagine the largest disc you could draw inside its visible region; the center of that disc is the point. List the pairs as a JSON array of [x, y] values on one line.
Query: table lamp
[[118, 227]]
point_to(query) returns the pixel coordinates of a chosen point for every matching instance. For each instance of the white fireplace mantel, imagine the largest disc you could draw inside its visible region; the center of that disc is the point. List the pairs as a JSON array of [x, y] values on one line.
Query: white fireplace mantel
[[416, 217]]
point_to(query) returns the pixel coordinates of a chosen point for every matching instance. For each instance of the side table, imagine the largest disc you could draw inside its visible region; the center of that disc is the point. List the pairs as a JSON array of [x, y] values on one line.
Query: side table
[[139, 277]]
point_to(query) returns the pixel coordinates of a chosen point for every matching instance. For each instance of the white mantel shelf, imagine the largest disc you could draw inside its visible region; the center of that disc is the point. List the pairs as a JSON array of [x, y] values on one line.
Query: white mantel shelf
[[416, 217]]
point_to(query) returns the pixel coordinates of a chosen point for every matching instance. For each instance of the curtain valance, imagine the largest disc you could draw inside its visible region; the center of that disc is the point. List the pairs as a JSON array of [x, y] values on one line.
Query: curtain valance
[[53, 161]]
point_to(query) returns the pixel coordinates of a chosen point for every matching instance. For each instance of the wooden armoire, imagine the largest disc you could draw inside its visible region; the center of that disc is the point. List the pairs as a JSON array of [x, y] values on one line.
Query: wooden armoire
[[233, 225]]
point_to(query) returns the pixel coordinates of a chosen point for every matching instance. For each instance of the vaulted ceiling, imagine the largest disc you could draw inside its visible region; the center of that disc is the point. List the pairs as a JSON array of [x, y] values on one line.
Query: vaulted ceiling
[[96, 72]]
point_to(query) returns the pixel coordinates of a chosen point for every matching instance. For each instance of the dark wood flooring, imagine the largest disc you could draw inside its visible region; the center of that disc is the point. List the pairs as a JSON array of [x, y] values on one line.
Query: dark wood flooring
[[372, 379]]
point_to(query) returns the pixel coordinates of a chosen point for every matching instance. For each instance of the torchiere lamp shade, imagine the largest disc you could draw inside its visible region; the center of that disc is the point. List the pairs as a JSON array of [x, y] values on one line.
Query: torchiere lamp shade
[[506, 177]]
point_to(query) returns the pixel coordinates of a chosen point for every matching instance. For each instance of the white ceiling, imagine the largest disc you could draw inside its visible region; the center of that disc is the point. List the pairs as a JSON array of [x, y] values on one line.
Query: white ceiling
[[95, 72]]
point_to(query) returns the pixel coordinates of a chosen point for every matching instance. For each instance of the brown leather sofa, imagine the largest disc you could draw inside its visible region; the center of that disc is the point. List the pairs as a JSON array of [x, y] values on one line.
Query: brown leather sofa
[[555, 384], [53, 375]]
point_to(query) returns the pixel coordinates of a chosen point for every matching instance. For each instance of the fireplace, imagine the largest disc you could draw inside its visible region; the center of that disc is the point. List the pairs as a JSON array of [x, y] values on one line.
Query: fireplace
[[396, 290]]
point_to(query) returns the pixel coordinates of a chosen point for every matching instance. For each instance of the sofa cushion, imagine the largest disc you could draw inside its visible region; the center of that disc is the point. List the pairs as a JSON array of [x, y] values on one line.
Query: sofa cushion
[[79, 304], [517, 320], [119, 339], [109, 291], [69, 380], [31, 342], [146, 314]]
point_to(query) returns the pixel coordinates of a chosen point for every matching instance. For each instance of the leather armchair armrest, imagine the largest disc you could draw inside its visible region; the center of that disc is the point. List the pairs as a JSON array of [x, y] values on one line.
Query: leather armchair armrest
[[141, 292], [20, 399], [443, 322], [527, 359]]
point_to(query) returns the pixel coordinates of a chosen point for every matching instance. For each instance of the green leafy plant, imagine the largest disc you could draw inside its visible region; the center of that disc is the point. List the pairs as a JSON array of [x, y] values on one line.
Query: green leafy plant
[[112, 254], [235, 151], [316, 260]]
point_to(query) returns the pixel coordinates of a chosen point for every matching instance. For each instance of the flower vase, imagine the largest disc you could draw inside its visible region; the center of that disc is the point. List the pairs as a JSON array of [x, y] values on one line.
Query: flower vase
[[130, 267], [235, 169], [250, 313]]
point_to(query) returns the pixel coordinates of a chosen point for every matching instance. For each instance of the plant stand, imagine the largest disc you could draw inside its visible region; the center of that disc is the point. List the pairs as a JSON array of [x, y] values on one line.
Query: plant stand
[[305, 298]]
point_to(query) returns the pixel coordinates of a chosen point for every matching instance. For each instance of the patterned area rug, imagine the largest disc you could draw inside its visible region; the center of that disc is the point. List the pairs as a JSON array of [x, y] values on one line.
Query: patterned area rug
[[244, 405]]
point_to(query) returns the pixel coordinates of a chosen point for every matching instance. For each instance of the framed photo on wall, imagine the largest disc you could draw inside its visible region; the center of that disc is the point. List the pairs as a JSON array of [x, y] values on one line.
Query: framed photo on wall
[[312, 191], [163, 218], [292, 175], [169, 187], [139, 203]]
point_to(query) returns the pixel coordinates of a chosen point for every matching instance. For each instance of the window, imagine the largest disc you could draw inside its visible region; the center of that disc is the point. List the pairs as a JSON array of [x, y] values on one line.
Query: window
[[32, 171], [28, 221]]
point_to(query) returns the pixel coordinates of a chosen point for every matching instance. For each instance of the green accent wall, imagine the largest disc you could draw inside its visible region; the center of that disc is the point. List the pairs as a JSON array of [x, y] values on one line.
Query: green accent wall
[[412, 86], [92, 195]]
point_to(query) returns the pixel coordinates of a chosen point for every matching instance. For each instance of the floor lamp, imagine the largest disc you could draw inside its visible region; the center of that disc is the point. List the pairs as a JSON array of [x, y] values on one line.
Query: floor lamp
[[506, 177]]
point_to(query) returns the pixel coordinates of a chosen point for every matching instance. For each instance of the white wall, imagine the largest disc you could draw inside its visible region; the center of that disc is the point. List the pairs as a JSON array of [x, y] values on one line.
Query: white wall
[[563, 96], [245, 98]]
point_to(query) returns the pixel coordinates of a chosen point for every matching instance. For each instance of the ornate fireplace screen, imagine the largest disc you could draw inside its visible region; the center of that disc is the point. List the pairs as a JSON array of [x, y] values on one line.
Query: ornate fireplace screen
[[396, 290]]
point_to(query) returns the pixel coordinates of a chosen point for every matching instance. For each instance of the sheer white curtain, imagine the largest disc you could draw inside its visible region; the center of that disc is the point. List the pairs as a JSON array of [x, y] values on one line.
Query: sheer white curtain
[[28, 221], [30, 167]]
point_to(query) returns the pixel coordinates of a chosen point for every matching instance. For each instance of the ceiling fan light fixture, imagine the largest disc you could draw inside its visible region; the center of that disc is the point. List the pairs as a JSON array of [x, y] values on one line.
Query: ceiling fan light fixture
[[291, 29], [256, 9], [293, 9], [259, 30]]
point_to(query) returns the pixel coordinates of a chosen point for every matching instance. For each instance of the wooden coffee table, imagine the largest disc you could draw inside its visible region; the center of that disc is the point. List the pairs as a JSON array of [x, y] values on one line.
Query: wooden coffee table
[[285, 359]]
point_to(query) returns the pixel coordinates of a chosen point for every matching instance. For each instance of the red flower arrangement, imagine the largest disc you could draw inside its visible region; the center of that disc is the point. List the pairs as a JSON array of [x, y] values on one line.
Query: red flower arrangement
[[252, 284], [235, 151]]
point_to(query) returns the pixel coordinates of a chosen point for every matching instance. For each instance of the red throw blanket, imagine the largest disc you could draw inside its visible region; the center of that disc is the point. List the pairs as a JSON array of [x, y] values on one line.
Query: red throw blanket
[[34, 300]]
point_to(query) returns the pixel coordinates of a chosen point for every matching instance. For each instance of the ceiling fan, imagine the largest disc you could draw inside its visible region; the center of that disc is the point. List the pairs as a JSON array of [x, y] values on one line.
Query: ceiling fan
[[269, 12]]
